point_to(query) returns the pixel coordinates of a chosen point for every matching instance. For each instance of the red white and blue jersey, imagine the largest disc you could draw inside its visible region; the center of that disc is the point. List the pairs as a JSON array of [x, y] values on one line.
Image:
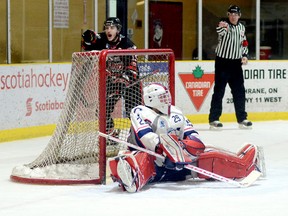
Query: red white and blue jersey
[[147, 125]]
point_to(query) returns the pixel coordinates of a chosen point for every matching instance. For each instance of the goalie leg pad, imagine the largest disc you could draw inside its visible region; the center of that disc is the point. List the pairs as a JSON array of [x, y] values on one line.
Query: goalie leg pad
[[127, 175], [227, 164], [132, 170]]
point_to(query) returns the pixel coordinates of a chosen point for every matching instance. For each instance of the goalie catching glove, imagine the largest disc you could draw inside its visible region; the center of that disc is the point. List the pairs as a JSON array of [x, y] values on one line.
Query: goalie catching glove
[[193, 145]]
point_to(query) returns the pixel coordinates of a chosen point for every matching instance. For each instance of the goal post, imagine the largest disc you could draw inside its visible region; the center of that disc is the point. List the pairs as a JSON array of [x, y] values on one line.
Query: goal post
[[103, 88]]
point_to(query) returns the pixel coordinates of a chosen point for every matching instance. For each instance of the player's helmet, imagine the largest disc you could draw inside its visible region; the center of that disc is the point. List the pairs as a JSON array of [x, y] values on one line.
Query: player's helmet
[[157, 96], [113, 21], [234, 9]]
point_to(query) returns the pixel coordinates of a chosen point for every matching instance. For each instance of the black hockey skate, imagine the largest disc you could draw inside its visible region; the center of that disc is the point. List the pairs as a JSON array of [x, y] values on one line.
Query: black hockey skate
[[245, 124], [216, 125]]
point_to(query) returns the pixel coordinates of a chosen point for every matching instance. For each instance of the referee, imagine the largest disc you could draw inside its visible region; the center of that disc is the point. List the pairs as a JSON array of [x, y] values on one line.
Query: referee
[[231, 53]]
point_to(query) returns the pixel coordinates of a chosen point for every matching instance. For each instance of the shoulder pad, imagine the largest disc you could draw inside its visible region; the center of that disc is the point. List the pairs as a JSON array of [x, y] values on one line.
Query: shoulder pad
[[175, 109], [138, 108]]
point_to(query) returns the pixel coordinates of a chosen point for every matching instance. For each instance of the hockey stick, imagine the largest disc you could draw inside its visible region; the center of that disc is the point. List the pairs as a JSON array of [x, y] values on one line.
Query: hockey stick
[[245, 182], [122, 92], [142, 78]]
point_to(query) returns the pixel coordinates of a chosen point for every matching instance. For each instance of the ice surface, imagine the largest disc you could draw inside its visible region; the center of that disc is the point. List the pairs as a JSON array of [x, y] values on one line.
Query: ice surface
[[194, 198]]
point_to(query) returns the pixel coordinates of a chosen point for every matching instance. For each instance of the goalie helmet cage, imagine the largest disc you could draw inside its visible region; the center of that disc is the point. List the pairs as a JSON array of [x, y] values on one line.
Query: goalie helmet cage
[[98, 99]]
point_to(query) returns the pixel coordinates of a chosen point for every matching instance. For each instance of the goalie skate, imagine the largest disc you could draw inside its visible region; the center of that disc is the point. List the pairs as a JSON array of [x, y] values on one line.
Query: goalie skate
[[260, 161]]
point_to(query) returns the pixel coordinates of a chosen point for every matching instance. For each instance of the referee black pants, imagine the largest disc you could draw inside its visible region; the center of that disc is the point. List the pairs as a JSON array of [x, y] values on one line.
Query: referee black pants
[[228, 71]]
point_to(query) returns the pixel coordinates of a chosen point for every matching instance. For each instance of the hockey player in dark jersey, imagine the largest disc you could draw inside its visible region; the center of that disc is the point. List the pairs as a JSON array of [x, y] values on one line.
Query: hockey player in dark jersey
[[122, 71]]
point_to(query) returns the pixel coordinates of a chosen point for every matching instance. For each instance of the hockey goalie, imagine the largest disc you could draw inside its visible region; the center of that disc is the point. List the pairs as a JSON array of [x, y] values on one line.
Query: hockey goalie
[[161, 127]]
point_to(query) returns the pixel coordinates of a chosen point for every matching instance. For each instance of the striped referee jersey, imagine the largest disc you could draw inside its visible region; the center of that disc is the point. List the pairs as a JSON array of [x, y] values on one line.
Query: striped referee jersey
[[231, 41]]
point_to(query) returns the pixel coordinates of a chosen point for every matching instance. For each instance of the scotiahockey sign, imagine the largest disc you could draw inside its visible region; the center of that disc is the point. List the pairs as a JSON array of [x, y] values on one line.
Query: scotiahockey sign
[[197, 85]]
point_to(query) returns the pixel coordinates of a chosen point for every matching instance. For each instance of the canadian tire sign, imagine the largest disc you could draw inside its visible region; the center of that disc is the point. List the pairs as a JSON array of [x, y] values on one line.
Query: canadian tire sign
[[197, 85]]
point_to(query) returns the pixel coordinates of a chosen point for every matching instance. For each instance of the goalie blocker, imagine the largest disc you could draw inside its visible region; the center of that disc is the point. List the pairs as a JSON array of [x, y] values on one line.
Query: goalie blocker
[[134, 169]]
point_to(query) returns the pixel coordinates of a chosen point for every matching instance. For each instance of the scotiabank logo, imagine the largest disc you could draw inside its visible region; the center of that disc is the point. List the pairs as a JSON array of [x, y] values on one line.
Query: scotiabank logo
[[197, 85], [29, 106], [42, 106]]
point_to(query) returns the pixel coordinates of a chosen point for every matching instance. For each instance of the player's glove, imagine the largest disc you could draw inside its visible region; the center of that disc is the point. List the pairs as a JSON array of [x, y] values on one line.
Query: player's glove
[[88, 39], [130, 75], [123, 80]]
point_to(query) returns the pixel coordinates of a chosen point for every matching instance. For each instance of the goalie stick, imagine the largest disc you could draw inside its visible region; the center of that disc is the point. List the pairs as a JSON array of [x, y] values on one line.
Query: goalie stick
[[245, 182]]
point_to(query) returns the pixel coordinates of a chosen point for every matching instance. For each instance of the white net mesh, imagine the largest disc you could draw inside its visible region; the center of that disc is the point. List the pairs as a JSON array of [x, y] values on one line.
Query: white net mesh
[[73, 154]]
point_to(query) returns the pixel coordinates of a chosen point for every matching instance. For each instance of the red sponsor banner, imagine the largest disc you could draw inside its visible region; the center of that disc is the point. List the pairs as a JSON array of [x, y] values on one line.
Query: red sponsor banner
[[197, 85]]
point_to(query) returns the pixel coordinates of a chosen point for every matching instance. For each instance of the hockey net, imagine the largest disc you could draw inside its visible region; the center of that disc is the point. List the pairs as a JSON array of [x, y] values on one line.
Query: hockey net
[[99, 98]]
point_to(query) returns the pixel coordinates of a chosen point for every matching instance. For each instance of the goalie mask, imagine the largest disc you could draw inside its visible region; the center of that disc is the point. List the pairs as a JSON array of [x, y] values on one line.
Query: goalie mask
[[158, 97]]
